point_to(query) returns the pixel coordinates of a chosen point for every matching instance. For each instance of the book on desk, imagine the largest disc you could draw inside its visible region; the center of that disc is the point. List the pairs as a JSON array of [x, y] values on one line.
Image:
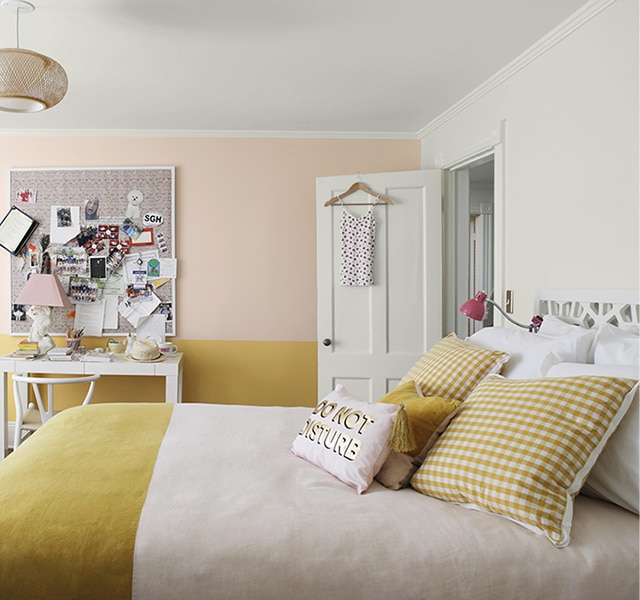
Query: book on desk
[[95, 356], [22, 355], [65, 354]]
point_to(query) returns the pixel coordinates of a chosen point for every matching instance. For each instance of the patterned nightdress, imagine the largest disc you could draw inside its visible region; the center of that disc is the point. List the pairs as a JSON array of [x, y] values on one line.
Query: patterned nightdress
[[358, 244]]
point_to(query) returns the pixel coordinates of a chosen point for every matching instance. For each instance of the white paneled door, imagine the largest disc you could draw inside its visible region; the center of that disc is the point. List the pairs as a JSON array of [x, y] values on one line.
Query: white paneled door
[[369, 336]]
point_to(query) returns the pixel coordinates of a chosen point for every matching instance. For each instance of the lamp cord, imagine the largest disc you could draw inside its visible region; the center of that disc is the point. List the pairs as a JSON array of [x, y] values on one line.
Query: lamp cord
[[18, 27], [506, 315]]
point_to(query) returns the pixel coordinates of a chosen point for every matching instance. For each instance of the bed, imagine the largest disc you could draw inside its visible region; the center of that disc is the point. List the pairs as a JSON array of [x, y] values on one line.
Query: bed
[[191, 501]]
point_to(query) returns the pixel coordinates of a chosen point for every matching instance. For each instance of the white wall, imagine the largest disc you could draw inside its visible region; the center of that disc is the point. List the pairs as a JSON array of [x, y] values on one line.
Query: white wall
[[571, 163]]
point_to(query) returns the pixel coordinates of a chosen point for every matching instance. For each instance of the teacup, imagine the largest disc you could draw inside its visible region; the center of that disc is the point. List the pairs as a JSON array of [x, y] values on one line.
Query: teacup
[[115, 346], [167, 348]]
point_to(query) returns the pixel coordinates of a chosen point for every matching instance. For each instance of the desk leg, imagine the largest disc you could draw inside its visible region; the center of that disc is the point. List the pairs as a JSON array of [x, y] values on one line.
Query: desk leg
[[4, 414], [173, 388]]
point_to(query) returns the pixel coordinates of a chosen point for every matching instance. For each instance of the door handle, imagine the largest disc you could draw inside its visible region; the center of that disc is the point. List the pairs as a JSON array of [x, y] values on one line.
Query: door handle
[[326, 342]]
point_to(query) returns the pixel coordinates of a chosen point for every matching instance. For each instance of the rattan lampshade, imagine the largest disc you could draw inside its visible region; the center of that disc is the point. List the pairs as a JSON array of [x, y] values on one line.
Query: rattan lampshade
[[29, 81]]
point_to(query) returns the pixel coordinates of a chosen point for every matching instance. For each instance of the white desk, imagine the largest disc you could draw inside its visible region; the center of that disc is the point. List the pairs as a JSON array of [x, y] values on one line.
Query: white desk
[[170, 369]]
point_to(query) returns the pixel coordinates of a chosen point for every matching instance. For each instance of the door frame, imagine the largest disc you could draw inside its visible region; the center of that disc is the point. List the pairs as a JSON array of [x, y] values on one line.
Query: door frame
[[456, 158]]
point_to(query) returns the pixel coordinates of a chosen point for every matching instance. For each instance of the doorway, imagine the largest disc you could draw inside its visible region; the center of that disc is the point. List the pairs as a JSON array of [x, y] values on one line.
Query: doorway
[[369, 336], [468, 253]]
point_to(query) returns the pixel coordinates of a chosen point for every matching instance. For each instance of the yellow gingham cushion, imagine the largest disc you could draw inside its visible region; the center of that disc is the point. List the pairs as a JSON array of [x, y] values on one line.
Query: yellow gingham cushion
[[522, 448], [453, 367]]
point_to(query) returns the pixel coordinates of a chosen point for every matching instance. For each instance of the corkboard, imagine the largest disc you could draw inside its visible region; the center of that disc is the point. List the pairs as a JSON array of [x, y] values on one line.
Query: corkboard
[[55, 195]]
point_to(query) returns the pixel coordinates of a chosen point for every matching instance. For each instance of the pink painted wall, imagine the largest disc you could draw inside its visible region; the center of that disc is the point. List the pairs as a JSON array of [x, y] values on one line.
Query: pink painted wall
[[245, 220]]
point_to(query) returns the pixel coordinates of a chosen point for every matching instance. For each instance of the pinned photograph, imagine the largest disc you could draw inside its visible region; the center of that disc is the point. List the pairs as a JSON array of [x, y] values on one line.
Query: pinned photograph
[[145, 238], [18, 312], [162, 242], [98, 267], [26, 196], [92, 209], [63, 214], [121, 245], [86, 235], [65, 223], [83, 289], [109, 232], [166, 309], [115, 258], [94, 245], [140, 292], [70, 261], [153, 268], [131, 229]]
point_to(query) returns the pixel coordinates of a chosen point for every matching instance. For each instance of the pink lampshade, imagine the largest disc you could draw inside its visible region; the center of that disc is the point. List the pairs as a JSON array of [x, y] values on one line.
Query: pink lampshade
[[474, 308], [43, 290]]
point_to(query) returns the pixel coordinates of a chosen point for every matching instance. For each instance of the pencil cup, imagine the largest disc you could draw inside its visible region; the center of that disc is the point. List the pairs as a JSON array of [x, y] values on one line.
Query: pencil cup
[[74, 343]]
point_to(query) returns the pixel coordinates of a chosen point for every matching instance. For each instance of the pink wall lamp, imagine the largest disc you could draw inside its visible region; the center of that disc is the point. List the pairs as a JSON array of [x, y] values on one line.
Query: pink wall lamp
[[475, 309]]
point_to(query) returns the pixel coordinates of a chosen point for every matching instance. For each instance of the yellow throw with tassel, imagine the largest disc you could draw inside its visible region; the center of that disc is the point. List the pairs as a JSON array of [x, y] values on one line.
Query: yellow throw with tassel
[[418, 419], [401, 438]]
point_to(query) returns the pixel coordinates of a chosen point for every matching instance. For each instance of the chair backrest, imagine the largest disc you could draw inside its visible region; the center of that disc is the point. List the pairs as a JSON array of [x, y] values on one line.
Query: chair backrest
[[36, 381]]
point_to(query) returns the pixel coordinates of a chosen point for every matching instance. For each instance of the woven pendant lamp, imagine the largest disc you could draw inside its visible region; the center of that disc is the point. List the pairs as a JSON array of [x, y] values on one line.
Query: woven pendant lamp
[[29, 81]]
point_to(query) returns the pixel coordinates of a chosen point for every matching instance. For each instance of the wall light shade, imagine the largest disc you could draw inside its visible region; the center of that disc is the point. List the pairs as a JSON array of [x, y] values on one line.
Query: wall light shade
[[474, 308], [29, 81]]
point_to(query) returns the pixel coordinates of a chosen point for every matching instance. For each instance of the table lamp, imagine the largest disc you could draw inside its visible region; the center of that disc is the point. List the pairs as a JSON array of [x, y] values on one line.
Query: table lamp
[[42, 291], [475, 309]]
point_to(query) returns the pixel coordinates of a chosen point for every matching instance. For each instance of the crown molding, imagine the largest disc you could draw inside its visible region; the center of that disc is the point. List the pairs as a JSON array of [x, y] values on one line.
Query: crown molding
[[354, 135], [565, 29]]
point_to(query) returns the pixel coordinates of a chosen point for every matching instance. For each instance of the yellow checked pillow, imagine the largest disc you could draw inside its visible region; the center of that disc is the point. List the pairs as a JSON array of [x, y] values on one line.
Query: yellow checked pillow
[[523, 448], [453, 367], [347, 437]]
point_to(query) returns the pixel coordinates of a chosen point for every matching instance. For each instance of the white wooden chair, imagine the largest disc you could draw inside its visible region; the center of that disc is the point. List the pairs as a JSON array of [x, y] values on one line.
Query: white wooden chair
[[29, 417]]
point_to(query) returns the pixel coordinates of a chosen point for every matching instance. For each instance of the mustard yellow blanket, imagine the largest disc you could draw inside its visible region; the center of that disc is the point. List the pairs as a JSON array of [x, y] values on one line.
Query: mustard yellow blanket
[[78, 549]]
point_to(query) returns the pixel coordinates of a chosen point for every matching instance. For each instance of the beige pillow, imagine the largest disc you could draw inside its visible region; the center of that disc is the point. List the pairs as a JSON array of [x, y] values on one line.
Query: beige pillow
[[427, 419], [453, 367]]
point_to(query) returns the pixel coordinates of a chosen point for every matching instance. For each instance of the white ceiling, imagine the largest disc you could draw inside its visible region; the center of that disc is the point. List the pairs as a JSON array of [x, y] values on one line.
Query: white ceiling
[[326, 66]]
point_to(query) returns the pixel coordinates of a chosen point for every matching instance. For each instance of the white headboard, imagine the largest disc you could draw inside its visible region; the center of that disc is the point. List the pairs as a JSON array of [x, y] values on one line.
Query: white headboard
[[590, 308]]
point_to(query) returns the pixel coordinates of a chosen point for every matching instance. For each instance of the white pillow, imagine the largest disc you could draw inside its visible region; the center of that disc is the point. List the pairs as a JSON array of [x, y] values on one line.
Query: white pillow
[[347, 437], [532, 353], [615, 346], [630, 327], [552, 325], [615, 476]]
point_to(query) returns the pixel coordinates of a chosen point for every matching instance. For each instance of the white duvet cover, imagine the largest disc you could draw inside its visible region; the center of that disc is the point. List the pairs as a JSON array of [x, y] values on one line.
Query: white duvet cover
[[232, 513]]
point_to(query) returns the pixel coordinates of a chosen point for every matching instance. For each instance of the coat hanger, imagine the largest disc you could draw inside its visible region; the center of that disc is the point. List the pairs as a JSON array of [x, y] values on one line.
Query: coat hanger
[[358, 185]]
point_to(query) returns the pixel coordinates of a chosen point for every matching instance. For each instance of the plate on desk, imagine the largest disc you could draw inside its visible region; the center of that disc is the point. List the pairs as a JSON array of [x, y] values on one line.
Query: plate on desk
[[151, 360]]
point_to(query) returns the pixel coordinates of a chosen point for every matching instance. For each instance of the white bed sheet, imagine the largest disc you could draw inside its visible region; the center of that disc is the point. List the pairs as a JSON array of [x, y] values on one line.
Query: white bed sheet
[[232, 513]]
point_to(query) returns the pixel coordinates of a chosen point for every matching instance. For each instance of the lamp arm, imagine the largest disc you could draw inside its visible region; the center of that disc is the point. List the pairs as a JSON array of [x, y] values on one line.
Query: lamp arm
[[506, 316]]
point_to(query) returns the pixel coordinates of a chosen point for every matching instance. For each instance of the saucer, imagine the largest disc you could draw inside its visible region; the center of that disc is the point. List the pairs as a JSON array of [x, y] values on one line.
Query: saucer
[[156, 359]]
